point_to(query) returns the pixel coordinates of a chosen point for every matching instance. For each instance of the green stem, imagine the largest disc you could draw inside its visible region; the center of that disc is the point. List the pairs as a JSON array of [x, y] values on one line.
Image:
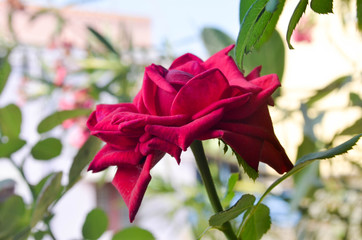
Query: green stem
[[204, 170], [21, 171]]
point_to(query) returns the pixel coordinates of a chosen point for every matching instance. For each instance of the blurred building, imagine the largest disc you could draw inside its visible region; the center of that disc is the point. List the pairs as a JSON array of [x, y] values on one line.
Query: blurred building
[[37, 26]]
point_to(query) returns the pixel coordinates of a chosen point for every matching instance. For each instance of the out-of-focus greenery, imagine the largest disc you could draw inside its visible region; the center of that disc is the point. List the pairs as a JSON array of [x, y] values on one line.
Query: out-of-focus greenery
[[324, 203]]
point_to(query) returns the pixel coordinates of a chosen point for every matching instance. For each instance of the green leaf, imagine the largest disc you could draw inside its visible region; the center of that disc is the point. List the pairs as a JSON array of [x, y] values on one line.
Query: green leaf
[[300, 164], [134, 233], [247, 28], [40, 185], [10, 121], [47, 149], [297, 14], [11, 214], [215, 40], [11, 146], [82, 159], [355, 128], [5, 70], [258, 224], [49, 193], [355, 99], [359, 14], [103, 40], [58, 118], [271, 56], [343, 148], [229, 195], [322, 6], [257, 25], [244, 203], [244, 7], [95, 224], [321, 93], [273, 20], [251, 172]]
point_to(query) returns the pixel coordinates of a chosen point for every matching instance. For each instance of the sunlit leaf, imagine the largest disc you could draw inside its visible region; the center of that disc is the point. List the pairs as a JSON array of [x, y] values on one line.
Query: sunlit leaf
[[58, 118], [355, 99], [297, 14], [258, 224], [271, 56], [47, 149], [134, 233], [359, 14], [10, 121], [355, 128], [82, 159], [321, 93], [5, 70], [322, 6], [244, 203], [215, 40], [103, 40], [49, 193], [244, 7], [95, 224]]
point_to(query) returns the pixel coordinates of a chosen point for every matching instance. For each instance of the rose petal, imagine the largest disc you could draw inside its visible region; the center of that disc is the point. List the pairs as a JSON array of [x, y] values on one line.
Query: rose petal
[[161, 145], [269, 83], [255, 73], [116, 139], [227, 103], [109, 156], [188, 58], [104, 111], [132, 180], [158, 93], [185, 135], [211, 85], [222, 61]]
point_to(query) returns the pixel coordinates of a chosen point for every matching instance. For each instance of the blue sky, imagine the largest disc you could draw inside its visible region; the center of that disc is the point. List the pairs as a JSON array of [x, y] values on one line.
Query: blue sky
[[178, 22]]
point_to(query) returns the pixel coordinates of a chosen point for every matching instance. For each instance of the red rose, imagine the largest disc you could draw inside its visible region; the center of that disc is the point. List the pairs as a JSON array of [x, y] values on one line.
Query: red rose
[[191, 100]]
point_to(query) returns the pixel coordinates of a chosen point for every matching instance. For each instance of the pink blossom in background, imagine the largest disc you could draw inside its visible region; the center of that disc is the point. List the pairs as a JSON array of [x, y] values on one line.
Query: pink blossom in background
[[303, 31]]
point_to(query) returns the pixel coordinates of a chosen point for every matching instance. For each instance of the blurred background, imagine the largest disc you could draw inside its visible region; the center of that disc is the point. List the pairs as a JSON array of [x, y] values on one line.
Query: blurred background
[[58, 59]]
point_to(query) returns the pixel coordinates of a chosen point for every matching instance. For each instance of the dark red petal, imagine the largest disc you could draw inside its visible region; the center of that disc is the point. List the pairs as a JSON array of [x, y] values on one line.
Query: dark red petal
[[132, 180], [184, 59], [116, 139], [222, 61], [269, 84], [109, 156], [255, 73], [229, 104], [158, 93], [160, 145], [210, 85], [185, 135]]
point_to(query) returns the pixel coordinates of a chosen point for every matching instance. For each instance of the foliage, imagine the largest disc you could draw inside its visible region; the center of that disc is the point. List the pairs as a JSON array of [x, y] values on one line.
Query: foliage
[[258, 43]]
